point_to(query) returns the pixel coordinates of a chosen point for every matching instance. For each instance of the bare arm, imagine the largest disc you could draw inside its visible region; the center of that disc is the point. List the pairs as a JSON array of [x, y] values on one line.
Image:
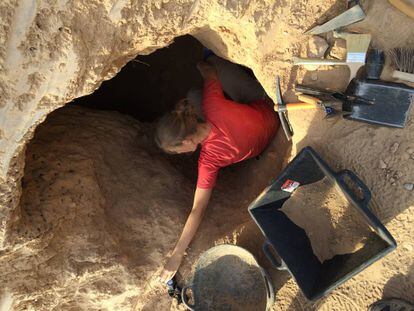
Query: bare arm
[[201, 199]]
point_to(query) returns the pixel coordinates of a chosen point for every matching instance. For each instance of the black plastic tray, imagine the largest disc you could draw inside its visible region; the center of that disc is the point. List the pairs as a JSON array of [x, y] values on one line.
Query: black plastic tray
[[291, 243]]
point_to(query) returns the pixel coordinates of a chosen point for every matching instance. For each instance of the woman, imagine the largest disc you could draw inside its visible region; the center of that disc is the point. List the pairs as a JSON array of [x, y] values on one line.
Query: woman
[[231, 132]]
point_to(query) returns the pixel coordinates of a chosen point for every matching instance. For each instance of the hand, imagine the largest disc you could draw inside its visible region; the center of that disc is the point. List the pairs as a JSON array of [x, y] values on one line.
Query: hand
[[171, 267], [207, 71]]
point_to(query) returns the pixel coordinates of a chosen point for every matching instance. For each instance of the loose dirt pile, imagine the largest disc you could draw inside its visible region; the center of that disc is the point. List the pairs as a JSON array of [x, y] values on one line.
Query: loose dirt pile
[[229, 279], [100, 210], [332, 224]]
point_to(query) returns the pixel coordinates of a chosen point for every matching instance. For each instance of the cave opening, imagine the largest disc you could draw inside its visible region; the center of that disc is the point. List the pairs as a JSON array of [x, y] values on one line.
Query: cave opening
[[150, 85], [87, 130]]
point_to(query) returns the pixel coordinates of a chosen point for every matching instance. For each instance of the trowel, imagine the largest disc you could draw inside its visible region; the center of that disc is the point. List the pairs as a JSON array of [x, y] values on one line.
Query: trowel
[[350, 16]]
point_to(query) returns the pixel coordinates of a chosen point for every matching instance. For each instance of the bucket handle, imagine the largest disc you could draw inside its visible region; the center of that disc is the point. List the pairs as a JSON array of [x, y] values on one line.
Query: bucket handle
[[277, 263], [268, 286], [184, 298], [354, 178], [269, 290]]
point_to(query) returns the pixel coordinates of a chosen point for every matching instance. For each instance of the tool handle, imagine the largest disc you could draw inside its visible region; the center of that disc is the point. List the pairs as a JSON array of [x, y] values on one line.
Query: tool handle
[[403, 76], [297, 106], [366, 193], [308, 99], [279, 264], [301, 106], [403, 7], [316, 61]]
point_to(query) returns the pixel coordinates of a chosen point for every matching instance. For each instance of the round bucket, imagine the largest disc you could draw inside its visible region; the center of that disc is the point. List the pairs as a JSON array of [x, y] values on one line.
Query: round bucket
[[228, 277]]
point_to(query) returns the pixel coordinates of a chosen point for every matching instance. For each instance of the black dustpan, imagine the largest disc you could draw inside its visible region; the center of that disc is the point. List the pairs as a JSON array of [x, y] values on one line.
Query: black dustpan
[[392, 102]]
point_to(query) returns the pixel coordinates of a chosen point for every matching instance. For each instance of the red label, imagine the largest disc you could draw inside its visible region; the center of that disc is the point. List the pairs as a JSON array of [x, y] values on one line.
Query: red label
[[290, 185]]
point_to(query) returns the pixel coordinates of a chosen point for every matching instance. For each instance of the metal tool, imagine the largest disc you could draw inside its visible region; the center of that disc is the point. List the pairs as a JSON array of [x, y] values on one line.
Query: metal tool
[[174, 291], [350, 16], [333, 103], [281, 109], [392, 102], [357, 47], [333, 95]]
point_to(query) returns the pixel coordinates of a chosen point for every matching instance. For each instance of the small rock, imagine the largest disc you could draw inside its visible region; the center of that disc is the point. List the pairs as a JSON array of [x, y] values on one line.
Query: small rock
[[408, 247], [392, 180], [317, 47], [338, 50], [382, 164], [394, 147], [410, 150], [409, 186]]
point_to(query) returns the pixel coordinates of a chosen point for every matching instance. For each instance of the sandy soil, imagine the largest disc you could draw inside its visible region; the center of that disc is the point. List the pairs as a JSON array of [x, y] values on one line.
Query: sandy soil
[[382, 157], [68, 247], [98, 219], [87, 224], [332, 224], [224, 280]]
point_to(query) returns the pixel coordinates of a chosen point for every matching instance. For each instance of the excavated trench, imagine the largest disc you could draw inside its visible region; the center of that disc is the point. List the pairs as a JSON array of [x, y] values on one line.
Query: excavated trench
[[102, 205]]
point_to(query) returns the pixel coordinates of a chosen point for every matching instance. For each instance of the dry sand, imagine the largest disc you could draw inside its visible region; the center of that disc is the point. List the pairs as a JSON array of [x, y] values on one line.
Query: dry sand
[[332, 224], [229, 279], [88, 224], [99, 247]]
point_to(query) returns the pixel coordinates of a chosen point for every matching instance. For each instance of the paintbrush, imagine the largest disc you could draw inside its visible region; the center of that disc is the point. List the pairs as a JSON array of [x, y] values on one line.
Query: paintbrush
[[356, 46], [403, 60]]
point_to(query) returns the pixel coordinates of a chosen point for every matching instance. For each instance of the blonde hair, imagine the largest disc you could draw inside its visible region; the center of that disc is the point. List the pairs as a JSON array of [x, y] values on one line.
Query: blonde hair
[[176, 125]]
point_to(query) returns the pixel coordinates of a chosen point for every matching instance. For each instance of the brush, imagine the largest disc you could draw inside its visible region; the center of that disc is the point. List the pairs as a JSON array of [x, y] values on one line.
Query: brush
[[403, 60], [356, 46]]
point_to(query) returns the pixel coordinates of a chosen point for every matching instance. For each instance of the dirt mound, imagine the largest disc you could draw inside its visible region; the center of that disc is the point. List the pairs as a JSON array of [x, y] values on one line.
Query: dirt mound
[[228, 278], [332, 224], [100, 210]]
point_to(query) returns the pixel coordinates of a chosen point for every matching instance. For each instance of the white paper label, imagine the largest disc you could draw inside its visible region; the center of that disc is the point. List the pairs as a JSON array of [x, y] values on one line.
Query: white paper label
[[355, 58], [290, 185]]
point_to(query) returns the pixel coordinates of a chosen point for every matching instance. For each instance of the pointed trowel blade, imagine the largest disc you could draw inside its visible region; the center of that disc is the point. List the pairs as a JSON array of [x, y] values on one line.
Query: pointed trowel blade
[[353, 15]]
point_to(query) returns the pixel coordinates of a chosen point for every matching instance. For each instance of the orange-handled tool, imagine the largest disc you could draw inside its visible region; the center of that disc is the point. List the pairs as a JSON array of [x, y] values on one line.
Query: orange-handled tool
[[299, 106], [308, 102]]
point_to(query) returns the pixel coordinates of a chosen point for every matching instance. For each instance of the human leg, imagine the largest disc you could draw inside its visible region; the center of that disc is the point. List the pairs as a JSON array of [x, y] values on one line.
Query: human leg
[[237, 83]]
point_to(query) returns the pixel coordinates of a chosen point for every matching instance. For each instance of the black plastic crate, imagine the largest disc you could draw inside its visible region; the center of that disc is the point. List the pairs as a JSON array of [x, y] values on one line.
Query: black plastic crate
[[291, 243]]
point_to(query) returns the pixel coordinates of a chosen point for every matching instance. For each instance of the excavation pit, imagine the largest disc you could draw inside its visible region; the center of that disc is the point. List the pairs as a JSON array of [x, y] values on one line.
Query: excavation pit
[[94, 174]]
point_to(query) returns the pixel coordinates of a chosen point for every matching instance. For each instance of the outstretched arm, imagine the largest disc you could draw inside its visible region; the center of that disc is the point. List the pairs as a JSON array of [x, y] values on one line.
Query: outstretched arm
[[201, 199]]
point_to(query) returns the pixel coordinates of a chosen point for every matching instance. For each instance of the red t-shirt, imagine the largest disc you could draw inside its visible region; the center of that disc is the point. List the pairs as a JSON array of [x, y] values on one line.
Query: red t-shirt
[[238, 132]]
